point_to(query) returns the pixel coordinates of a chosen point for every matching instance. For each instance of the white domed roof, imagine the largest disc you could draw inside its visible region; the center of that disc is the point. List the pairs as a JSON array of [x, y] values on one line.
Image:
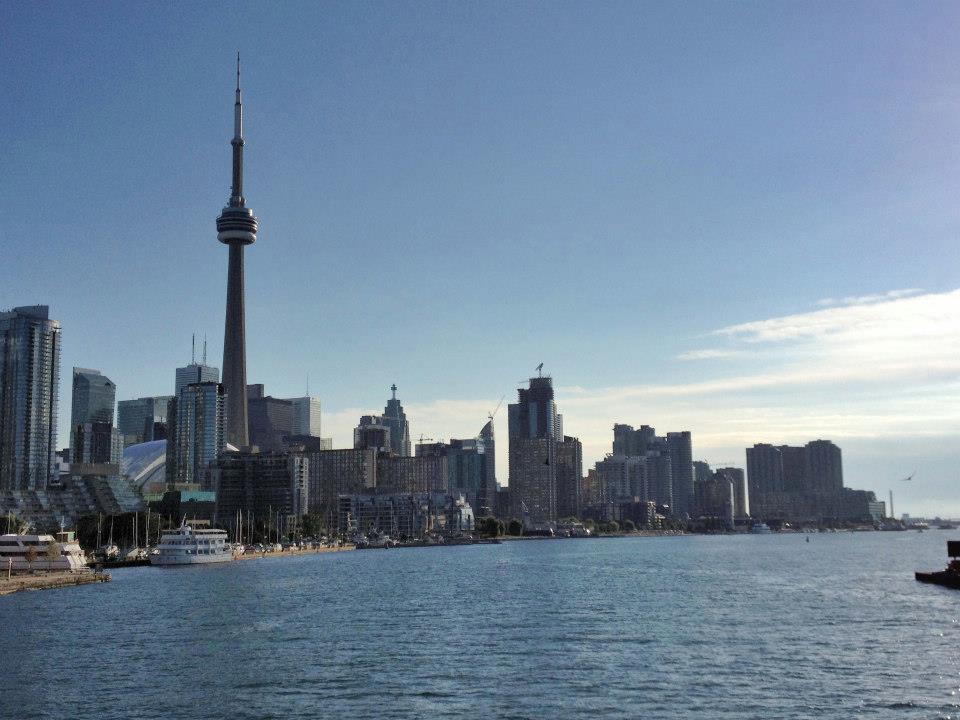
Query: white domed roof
[[145, 462]]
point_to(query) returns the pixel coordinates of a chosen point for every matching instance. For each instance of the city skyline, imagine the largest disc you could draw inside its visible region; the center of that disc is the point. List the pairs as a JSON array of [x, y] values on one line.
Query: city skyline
[[858, 346]]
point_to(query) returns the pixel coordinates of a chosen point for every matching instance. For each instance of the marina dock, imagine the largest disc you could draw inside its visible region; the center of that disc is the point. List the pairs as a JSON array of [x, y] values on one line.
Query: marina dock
[[47, 581], [294, 553]]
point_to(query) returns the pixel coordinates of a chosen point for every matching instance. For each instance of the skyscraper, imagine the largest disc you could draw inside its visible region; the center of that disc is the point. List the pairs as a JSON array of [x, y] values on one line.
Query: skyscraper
[[236, 228], [741, 497], [94, 396], [96, 443], [680, 447], [136, 419], [487, 498], [195, 373], [796, 483], [623, 478], [569, 476], [306, 415], [29, 387], [270, 418], [396, 419], [197, 432], [373, 432], [532, 454], [823, 467], [714, 499], [625, 440], [660, 478], [535, 414]]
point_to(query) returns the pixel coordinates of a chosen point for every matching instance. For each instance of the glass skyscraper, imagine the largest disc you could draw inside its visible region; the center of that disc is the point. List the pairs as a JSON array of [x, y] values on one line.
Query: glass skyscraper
[[198, 432], [29, 386], [94, 396], [195, 373], [134, 417]]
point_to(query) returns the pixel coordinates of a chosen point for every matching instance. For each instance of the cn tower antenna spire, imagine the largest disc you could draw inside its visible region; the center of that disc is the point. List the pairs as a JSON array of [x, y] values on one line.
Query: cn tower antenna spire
[[236, 227]]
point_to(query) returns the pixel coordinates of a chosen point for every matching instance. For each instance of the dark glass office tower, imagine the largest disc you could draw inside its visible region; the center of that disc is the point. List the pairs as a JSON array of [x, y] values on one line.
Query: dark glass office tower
[[94, 397]]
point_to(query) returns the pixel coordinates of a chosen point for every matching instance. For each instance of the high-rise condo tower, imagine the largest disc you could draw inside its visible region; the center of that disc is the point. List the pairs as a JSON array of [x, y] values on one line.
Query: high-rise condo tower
[[236, 228]]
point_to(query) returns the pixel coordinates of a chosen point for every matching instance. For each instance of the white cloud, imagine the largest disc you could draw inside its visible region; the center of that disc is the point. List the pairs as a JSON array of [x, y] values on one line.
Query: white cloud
[[709, 354], [880, 374], [868, 299]]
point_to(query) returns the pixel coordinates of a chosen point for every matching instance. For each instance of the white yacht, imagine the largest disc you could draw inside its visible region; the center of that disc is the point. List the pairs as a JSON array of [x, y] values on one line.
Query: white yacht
[[33, 552], [192, 546]]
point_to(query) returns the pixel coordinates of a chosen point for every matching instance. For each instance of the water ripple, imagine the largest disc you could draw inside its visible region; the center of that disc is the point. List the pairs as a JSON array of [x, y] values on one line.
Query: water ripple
[[712, 627]]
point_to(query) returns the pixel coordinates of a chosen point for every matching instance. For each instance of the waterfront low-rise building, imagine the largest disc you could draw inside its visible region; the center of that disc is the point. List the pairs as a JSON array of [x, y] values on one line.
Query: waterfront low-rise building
[[405, 515]]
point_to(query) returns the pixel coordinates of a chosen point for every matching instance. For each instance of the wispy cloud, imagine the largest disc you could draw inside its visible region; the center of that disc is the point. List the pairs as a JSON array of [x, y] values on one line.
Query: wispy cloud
[[709, 354], [878, 371], [885, 372], [869, 299]]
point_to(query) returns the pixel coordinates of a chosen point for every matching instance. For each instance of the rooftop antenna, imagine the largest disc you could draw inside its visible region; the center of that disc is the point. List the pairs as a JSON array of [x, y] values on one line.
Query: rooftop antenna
[[540, 370], [308, 383], [193, 349], [204, 348], [393, 389]]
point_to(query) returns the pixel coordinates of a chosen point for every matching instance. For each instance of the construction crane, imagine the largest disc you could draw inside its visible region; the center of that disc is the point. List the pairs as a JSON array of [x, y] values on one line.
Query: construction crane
[[491, 414], [539, 375]]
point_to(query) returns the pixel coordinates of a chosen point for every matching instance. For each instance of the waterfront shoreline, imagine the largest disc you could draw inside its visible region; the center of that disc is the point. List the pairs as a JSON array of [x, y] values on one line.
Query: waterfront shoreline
[[294, 553], [50, 581]]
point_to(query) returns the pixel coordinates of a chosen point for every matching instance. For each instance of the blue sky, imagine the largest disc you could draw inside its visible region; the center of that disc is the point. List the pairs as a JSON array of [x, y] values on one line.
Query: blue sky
[[734, 218]]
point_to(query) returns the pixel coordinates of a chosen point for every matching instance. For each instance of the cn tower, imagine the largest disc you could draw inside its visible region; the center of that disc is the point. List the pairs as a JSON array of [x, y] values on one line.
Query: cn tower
[[236, 228]]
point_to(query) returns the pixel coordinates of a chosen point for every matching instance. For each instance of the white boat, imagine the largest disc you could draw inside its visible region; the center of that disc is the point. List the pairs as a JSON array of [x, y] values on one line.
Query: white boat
[[760, 528], [33, 552], [109, 552], [192, 546]]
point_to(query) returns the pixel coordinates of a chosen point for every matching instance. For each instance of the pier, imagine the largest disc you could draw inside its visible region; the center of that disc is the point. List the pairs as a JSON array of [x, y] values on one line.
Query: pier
[[48, 581], [294, 552]]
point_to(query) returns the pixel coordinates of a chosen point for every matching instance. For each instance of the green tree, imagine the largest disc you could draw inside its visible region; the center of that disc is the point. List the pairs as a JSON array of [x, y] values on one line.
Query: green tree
[[52, 553], [613, 526], [629, 526], [515, 527], [15, 524], [488, 526], [312, 525], [31, 556]]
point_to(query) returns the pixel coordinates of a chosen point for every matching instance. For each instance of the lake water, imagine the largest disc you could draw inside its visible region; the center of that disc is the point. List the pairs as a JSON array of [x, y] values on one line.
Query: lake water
[[675, 627]]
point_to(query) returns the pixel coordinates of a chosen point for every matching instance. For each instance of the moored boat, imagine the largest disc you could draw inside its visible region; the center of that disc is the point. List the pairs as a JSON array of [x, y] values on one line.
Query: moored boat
[[42, 552], [187, 545]]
